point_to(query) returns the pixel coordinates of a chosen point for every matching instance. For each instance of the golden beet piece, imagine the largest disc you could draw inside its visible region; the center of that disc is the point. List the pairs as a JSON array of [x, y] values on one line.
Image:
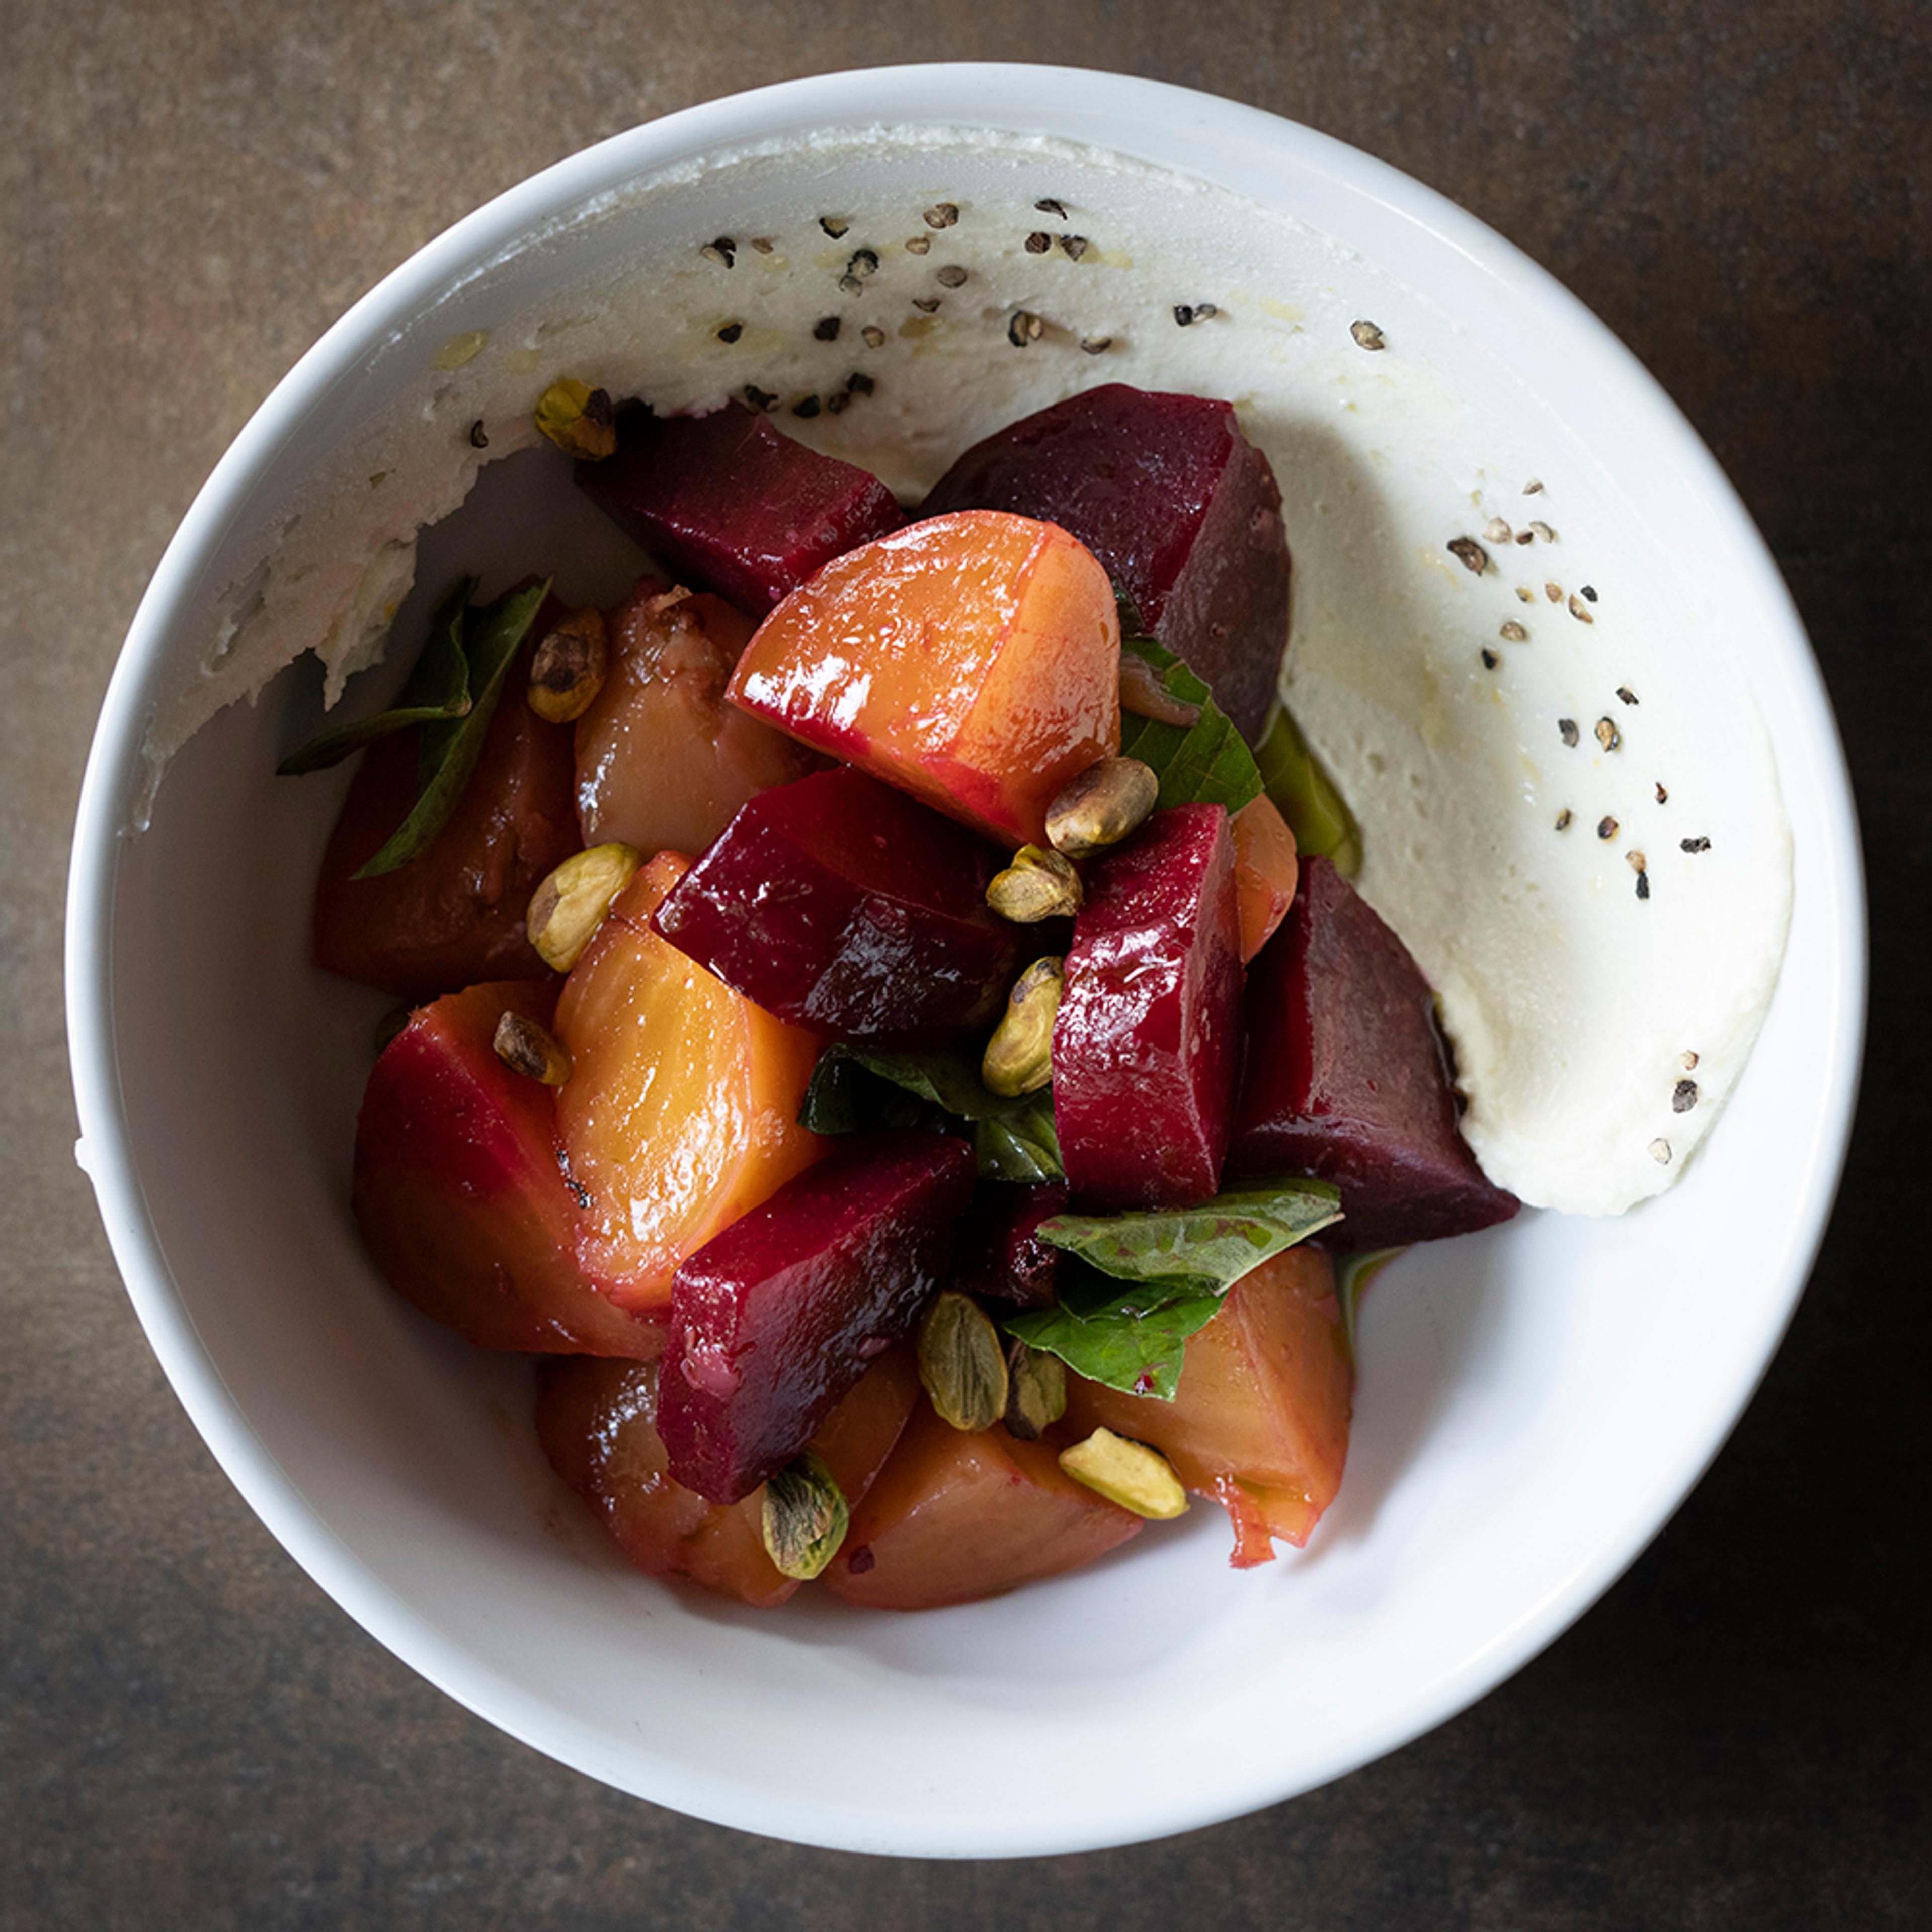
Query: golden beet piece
[[1260, 1422], [662, 760], [973, 660], [681, 1112], [1266, 867], [954, 1518], [595, 1422]]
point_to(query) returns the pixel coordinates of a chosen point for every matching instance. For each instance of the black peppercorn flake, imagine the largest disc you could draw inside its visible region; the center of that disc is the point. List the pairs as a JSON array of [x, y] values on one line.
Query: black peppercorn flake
[[1684, 1096], [1606, 826], [1589, 593], [730, 331], [1096, 345], [1563, 819], [826, 328], [1367, 335], [1694, 844], [1525, 537], [1643, 885], [1662, 796], [859, 383], [1628, 696], [1469, 553], [1490, 660], [760, 400], [1050, 206], [806, 406], [839, 402], [864, 264], [1038, 241], [835, 226], [1075, 246], [1183, 315], [1567, 728], [477, 440]]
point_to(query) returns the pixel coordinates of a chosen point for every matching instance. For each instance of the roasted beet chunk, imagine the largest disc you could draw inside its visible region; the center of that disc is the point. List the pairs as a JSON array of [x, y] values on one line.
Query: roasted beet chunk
[[1146, 1046], [775, 1318], [1347, 1079], [1001, 1255], [1179, 506], [839, 903], [727, 503]]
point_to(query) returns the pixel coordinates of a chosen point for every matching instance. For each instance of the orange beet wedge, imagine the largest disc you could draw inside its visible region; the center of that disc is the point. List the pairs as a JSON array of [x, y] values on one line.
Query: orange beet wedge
[[973, 660], [953, 1518], [681, 1111], [1265, 869], [594, 1420], [1261, 1421]]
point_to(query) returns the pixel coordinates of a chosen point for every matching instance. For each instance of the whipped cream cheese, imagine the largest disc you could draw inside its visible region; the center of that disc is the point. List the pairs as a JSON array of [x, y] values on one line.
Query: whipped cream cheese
[[1570, 815]]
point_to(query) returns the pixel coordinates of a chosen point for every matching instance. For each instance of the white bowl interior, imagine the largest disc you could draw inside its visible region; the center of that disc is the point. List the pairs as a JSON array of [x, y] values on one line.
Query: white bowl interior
[[1533, 1401]]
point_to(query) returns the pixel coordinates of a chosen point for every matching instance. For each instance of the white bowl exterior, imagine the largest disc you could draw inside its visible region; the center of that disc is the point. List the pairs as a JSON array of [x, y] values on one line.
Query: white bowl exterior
[[1534, 1401]]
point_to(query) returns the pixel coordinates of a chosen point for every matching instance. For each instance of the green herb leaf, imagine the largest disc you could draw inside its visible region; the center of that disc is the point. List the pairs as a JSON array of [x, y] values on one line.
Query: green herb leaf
[[1306, 796], [438, 688], [1353, 1274], [1154, 1277], [1140, 1352], [851, 1089], [450, 747], [1206, 763], [1211, 1246], [1022, 1145]]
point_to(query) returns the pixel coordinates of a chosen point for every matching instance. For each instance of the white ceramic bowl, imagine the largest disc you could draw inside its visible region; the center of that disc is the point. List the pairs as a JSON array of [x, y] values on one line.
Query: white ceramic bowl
[[1535, 1401]]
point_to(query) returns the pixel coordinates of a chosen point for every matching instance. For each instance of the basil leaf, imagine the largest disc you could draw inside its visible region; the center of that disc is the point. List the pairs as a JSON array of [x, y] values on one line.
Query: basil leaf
[[1306, 796], [1154, 1277], [1140, 1352], [1014, 1139], [1206, 763], [438, 688], [1023, 1145], [450, 747], [1211, 1246], [1353, 1274]]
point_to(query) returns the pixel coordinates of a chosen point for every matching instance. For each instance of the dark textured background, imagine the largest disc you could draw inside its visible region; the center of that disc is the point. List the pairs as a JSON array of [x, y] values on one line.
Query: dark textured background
[[190, 1734]]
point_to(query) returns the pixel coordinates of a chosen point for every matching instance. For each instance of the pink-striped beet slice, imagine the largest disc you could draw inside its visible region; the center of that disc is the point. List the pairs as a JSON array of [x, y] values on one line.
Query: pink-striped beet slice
[[1182, 509], [838, 902], [1347, 1079], [774, 1320], [1146, 1046], [726, 502]]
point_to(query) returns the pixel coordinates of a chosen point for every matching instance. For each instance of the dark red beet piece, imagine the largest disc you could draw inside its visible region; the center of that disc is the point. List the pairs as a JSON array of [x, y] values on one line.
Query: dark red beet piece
[[1001, 1255], [774, 1320], [728, 504], [1180, 508], [839, 903], [1148, 1042], [1347, 1079], [454, 915]]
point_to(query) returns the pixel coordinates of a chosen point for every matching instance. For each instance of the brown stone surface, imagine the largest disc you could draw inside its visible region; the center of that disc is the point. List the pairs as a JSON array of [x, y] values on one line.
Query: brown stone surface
[[191, 1735]]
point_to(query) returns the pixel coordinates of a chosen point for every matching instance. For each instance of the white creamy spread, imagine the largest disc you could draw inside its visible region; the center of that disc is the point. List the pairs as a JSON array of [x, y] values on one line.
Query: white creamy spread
[[1597, 1032]]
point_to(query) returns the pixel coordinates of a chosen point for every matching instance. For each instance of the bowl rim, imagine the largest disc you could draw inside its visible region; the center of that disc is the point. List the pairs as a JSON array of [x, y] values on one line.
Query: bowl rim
[[1083, 105]]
